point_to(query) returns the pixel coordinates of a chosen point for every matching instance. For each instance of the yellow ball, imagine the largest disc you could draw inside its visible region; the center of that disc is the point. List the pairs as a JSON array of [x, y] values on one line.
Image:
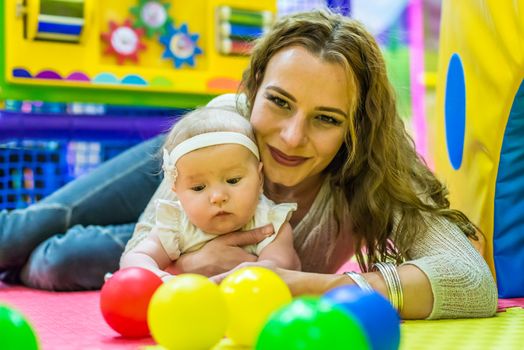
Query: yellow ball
[[252, 294], [187, 312]]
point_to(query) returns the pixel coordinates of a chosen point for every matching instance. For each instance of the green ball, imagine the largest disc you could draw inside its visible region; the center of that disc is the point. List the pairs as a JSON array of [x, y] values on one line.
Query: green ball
[[309, 323], [15, 332]]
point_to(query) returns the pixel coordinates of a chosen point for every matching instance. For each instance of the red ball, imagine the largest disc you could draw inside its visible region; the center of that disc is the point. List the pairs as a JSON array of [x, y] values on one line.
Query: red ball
[[124, 300]]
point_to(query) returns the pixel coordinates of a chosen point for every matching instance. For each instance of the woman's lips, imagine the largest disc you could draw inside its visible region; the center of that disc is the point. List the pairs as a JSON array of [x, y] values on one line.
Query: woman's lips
[[284, 159]]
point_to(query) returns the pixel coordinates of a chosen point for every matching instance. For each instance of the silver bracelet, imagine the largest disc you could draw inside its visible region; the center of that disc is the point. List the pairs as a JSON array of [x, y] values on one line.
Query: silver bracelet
[[359, 280], [394, 287]]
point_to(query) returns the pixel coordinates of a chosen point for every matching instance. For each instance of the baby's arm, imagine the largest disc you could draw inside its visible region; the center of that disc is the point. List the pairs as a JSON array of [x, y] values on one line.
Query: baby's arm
[[281, 250], [148, 254]]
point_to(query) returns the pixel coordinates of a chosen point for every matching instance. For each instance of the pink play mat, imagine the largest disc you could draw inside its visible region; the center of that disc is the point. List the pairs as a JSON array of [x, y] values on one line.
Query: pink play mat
[[66, 320], [72, 321]]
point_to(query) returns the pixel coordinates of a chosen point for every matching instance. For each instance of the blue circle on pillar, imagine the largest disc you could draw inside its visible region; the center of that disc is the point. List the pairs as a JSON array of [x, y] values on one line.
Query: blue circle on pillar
[[455, 111]]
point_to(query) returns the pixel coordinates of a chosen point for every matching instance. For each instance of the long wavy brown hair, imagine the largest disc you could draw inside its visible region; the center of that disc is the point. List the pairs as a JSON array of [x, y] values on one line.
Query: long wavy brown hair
[[388, 188]]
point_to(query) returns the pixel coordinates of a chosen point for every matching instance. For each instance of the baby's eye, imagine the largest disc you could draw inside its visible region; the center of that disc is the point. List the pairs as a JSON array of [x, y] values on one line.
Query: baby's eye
[[198, 188], [329, 120], [234, 180]]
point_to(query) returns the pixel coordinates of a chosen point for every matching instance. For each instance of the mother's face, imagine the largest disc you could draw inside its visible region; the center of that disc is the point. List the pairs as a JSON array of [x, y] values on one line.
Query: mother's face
[[300, 115]]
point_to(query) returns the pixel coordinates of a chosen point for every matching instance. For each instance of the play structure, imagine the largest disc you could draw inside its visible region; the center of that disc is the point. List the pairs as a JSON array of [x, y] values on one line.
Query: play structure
[[83, 80], [179, 52], [479, 150]]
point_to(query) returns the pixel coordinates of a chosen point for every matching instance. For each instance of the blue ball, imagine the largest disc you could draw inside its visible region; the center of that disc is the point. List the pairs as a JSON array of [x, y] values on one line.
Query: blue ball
[[379, 319]]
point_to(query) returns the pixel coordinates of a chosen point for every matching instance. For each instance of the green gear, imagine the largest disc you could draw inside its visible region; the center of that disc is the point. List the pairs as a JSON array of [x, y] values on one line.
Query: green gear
[[152, 16]]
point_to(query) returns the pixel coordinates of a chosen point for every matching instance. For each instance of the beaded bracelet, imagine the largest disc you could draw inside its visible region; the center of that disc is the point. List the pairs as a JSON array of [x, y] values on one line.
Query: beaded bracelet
[[392, 278], [359, 280]]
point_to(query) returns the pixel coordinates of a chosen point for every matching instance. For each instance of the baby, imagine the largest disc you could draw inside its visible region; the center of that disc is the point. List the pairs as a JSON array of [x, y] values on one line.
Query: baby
[[213, 164]]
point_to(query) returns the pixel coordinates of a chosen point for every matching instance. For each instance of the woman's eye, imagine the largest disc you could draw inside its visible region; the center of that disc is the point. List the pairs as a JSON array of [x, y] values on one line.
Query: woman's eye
[[278, 101], [198, 188], [233, 181], [329, 120]]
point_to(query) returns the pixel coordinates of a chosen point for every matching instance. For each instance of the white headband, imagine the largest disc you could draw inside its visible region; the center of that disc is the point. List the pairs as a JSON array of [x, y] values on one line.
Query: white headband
[[201, 141]]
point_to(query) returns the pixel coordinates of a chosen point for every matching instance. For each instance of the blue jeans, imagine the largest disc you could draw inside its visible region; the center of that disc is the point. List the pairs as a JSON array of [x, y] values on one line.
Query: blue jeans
[[70, 239]]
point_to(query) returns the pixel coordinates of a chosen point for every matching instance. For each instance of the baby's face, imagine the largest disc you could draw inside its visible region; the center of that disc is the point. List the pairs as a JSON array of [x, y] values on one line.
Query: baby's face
[[219, 187]]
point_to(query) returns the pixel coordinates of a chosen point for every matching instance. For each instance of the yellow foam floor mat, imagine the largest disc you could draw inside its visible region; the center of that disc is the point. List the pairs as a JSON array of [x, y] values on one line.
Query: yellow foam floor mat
[[505, 331]]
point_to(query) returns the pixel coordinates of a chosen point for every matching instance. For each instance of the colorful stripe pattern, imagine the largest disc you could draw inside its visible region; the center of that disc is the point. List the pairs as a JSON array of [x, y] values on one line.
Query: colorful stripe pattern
[[107, 79], [238, 28], [60, 20]]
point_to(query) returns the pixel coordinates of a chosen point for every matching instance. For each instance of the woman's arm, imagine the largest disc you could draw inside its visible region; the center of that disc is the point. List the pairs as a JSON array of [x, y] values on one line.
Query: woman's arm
[[417, 291], [446, 278], [281, 250], [222, 253], [461, 281]]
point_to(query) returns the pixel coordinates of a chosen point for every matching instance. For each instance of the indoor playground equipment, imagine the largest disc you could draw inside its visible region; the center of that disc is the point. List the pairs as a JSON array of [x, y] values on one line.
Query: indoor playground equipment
[[179, 52], [479, 148], [83, 80]]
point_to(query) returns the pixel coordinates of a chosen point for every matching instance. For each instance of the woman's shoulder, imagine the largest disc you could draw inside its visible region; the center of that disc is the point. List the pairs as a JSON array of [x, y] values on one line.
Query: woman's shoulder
[[236, 101]]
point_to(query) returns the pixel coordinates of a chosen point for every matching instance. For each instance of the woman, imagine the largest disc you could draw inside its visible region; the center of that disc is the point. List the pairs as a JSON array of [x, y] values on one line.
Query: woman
[[331, 140]]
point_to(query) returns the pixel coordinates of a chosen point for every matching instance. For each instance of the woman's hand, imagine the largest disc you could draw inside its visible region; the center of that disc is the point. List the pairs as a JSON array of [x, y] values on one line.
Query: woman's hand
[[268, 264], [299, 283], [221, 254]]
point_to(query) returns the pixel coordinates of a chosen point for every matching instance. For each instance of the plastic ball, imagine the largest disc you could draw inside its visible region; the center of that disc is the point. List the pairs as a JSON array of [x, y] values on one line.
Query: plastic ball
[[16, 331], [310, 323], [379, 319], [124, 300], [188, 312], [252, 294]]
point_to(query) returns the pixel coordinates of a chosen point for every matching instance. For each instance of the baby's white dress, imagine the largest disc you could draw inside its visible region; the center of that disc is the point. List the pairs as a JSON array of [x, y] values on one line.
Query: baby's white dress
[[178, 235]]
